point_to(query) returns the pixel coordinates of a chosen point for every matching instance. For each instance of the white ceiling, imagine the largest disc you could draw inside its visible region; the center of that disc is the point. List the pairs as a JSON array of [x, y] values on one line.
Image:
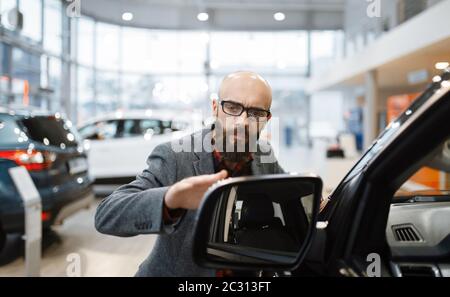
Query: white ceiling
[[223, 14]]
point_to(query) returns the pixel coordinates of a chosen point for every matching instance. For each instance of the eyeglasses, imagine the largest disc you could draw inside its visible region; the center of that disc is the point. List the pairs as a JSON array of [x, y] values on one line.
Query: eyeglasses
[[236, 109]]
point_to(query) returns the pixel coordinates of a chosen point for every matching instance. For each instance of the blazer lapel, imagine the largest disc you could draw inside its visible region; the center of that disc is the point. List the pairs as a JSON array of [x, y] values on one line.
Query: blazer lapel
[[257, 167], [204, 163]]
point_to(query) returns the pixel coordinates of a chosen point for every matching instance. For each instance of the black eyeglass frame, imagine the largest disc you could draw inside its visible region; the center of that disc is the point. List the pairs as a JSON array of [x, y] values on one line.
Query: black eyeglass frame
[[243, 108]]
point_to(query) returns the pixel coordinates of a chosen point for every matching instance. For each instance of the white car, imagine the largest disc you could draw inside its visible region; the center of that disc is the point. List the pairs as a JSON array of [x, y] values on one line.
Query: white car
[[118, 144]]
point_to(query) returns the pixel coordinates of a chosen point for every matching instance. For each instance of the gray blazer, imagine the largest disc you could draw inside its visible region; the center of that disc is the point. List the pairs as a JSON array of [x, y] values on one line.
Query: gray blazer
[[137, 208]]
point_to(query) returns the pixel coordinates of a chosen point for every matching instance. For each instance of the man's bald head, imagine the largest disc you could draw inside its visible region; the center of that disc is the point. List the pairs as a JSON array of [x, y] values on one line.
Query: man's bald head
[[248, 88]]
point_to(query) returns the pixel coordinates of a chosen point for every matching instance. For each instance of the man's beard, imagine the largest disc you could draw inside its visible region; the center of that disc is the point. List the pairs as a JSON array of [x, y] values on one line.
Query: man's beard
[[233, 148]]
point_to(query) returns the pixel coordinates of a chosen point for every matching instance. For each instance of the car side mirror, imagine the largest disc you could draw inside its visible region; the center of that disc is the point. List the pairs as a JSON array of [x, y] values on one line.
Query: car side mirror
[[257, 222]]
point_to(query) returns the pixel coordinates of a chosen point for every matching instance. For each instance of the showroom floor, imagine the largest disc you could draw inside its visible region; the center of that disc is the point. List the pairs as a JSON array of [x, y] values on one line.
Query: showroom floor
[[100, 255]]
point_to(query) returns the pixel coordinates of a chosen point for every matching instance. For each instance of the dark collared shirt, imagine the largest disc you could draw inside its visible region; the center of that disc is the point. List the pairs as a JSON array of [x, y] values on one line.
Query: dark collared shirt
[[241, 168]]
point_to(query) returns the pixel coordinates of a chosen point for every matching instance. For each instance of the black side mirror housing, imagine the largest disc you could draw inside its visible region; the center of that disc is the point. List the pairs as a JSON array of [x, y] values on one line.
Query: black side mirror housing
[[258, 222]]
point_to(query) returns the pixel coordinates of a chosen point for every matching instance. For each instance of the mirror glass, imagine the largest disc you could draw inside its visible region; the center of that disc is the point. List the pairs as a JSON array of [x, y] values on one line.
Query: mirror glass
[[260, 222]]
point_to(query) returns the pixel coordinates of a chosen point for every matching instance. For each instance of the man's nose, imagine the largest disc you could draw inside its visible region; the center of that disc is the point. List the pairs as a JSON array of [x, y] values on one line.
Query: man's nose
[[243, 118]]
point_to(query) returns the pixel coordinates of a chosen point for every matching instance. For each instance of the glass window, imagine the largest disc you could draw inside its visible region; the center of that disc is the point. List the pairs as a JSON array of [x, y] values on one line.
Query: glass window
[[85, 99], [50, 131], [137, 90], [192, 51], [4, 61], [259, 51], [138, 127], [179, 91], [131, 128], [25, 73], [432, 180], [100, 130], [9, 130], [107, 86], [53, 26], [136, 50], [85, 50], [326, 47], [107, 46], [55, 82], [151, 126], [326, 112], [32, 18], [163, 50]]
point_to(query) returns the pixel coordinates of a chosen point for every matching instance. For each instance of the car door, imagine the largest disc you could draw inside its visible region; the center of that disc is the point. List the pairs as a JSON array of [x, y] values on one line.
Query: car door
[[100, 139], [357, 214], [134, 143]]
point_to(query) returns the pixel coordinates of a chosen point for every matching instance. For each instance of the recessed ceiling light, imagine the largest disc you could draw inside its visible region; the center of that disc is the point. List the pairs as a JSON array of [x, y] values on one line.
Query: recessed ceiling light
[[279, 16], [441, 65], [127, 16], [202, 16]]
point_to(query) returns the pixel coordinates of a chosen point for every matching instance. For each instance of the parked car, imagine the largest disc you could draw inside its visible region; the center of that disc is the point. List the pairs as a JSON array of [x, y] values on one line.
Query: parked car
[[389, 216], [119, 143], [50, 149]]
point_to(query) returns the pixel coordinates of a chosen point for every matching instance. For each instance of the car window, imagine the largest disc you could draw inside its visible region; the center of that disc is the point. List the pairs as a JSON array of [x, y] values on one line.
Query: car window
[[392, 129], [50, 130], [108, 129], [87, 130], [419, 217], [10, 133], [100, 130], [131, 128], [151, 126], [178, 125], [432, 180]]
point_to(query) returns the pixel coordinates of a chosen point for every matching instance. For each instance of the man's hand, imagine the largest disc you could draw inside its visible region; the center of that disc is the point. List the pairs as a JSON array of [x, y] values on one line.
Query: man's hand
[[189, 192]]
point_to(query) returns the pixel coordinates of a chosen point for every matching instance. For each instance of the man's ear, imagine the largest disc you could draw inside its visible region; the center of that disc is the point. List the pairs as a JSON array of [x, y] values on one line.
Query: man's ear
[[215, 107]]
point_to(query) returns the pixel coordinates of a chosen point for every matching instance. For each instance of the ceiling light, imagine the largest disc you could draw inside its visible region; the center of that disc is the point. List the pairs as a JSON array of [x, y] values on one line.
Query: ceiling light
[[279, 16], [202, 16], [127, 16], [441, 65]]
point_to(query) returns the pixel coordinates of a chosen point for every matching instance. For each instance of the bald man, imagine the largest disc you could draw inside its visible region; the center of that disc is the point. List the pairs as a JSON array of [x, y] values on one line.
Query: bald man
[[164, 197]]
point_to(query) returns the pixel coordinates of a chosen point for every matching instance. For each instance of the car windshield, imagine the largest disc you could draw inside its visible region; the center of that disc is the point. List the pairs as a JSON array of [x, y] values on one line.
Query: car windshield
[[392, 129]]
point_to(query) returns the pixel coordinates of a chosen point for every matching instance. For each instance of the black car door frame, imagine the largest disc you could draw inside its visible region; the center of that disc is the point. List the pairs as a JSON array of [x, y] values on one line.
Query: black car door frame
[[360, 217]]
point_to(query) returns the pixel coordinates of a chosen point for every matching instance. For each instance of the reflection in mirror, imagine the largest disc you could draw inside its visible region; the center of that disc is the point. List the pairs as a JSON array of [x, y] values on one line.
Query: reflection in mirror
[[258, 218]]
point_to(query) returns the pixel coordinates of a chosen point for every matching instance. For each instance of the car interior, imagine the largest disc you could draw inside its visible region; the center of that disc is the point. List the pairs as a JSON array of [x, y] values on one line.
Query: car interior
[[418, 229], [260, 219]]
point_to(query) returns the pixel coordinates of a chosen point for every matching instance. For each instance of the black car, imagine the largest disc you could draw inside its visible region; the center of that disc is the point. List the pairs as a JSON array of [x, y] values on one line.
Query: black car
[[389, 216], [49, 148]]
